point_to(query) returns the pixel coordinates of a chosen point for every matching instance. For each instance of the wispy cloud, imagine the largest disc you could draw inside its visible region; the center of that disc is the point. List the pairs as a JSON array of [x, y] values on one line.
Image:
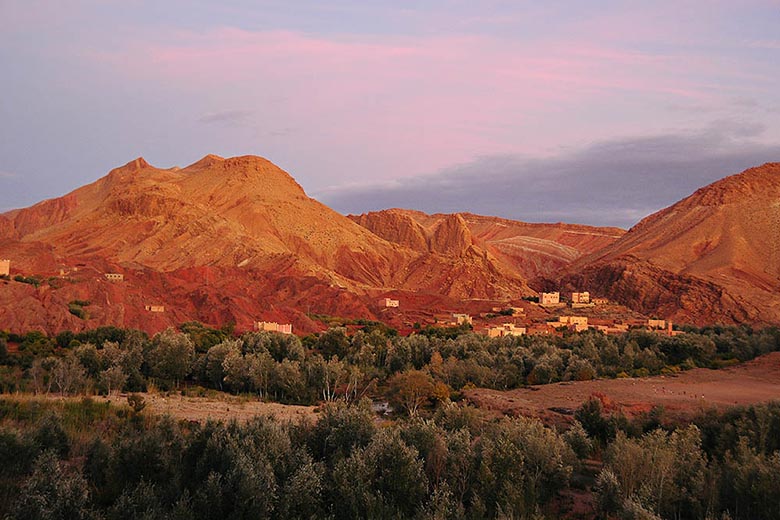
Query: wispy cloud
[[7, 175], [227, 117], [341, 91], [614, 183], [409, 104], [764, 44]]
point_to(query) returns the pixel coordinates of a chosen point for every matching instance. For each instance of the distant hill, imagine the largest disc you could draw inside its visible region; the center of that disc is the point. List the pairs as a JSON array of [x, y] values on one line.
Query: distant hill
[[237, 240], [217, 231], [531, 250], [713, 257]]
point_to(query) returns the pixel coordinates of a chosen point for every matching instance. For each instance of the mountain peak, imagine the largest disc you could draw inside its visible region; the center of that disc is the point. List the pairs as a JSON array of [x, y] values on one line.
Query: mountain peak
[[452, 236], [205, 162], [139, 163]]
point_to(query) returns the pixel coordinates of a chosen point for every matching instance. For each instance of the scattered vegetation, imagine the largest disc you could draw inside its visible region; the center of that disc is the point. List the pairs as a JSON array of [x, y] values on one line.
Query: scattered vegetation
[[32, 280], [76, 307], [338, 365], [438, 459], [86, 459]]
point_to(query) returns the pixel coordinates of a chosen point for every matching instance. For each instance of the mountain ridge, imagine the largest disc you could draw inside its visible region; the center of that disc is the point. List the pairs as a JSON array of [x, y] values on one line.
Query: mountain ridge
[[725, 235], [238, 240]]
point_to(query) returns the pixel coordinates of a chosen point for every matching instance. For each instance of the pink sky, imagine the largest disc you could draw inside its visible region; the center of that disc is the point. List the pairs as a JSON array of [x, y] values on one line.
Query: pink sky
[[353, 93]]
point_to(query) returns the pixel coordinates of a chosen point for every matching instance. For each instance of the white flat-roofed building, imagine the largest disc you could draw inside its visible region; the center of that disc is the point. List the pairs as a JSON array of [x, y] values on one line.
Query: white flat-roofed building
[[272, 326], [505, 329]]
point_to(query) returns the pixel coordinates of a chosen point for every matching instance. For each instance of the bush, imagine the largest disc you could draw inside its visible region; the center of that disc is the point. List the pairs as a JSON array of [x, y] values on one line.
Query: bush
[[32, 280]]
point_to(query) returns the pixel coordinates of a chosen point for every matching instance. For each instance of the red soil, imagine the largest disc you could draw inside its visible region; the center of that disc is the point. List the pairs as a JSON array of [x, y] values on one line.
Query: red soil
[[683, 394]]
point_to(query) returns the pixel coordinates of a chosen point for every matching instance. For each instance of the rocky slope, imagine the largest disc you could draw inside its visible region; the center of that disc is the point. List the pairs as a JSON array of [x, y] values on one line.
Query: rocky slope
[[712, 257], [532, 250], [237, 240], [257, 239]]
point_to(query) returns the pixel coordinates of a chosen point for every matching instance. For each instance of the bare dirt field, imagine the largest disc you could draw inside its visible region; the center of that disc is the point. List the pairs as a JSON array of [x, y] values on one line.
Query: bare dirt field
[[223, 408], [682, 394]]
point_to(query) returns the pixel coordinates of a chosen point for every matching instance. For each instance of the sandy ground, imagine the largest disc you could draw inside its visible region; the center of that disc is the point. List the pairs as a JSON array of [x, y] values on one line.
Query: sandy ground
[[224, 408], [688, 392]]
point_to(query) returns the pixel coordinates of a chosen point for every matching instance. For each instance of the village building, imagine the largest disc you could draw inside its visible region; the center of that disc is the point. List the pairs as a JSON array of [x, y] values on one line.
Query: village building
[[114, 277], [155, 308], [388, 302], [615, 328], [272, 326], [537, 329], [551, 298], [669, 331], [578, 323], [600, 301], [580, 300], [656, 324], [505, 329], [580, 297], [460, 319], [5, 267]]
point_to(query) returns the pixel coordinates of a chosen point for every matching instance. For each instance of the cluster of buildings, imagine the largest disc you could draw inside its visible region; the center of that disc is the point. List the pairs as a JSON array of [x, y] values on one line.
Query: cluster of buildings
[[578, 300], [576, 323], [546, 299]]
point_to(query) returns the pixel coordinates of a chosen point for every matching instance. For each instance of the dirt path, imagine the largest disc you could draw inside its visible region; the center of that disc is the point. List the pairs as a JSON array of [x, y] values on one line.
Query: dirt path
[[752, 382]]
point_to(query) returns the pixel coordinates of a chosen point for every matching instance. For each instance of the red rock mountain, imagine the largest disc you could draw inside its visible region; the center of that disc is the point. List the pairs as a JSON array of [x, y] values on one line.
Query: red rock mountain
[[237, 240], [532, 250], [221, 240], [712, 257]]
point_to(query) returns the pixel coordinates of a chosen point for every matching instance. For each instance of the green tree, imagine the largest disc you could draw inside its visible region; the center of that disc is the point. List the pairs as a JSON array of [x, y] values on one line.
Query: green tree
[[171, 356], [52, 493], [333, 342], [410, 390], [68, 375], [113, 379], [384, 480], [215, 359], [341, 429]]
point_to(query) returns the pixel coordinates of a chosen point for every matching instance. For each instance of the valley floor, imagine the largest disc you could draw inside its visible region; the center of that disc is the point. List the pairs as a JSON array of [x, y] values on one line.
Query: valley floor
[[680, 394]]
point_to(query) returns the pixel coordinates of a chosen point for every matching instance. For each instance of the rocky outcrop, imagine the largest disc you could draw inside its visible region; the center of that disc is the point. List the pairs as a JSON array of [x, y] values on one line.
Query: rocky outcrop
[[396, 227], [451, 236], [531, 250]]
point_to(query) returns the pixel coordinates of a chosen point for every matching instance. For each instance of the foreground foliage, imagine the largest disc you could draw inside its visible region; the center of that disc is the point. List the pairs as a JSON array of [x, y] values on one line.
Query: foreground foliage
[[85, 459]]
